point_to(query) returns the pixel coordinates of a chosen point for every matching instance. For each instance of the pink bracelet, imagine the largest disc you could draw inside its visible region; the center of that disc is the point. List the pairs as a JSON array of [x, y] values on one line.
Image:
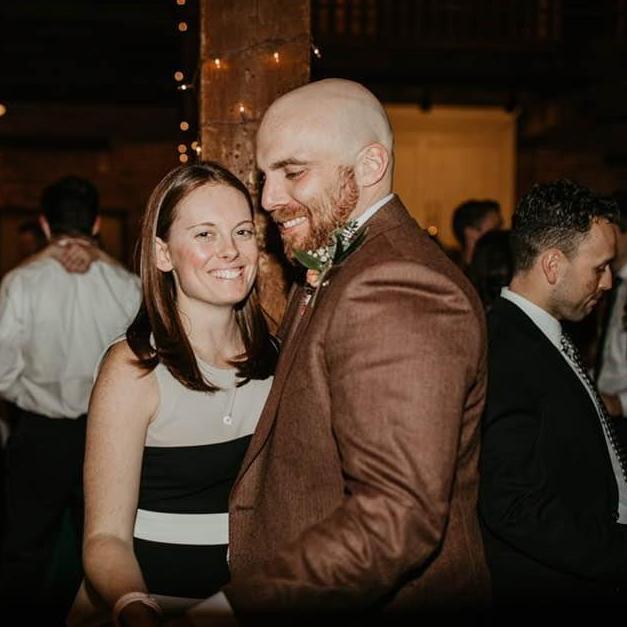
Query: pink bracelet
[[131, 597]]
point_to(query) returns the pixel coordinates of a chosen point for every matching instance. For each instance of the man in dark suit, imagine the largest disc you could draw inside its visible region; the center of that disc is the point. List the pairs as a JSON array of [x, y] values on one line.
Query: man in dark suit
[[553, 495]]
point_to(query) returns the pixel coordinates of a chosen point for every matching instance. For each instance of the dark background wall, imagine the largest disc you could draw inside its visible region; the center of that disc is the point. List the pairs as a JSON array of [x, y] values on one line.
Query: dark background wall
[[89, 87]]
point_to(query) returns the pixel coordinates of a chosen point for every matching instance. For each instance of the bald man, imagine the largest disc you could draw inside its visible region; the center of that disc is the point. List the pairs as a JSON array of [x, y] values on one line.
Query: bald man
[[359, 489]]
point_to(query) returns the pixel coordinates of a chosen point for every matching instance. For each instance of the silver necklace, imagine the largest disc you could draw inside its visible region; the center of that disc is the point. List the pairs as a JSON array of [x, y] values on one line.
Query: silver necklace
[[227, 419]]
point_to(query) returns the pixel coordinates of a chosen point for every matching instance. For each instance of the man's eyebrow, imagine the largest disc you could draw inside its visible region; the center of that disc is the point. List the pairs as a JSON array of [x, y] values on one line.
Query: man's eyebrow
[[277, 165]]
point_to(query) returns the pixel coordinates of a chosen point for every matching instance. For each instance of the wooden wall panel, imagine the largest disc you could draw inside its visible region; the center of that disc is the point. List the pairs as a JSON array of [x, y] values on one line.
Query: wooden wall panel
[[450, 154]]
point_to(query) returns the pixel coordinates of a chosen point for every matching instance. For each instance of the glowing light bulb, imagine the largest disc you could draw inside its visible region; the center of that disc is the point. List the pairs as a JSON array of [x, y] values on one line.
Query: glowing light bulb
[[183, 158], [184, 126], [180, 2], [3, 110], [178, 75], [182, 26], [276, 57], [217, 62], [182, 148]]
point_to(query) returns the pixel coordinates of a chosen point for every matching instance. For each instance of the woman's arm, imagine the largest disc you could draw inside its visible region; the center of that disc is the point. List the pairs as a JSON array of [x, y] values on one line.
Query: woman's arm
[[122, 404]]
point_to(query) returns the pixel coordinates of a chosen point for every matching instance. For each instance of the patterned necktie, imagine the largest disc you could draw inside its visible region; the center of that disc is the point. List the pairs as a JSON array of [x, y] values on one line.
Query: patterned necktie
[[570, 350]]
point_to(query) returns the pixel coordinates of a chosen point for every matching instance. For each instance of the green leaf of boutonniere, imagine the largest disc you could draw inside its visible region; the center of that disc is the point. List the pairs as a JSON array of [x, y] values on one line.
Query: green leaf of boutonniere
[[308, 260], [342, 243]]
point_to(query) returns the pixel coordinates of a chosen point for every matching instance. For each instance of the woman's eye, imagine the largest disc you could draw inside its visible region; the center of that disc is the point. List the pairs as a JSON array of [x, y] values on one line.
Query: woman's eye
[[204, 235], [245, 233]]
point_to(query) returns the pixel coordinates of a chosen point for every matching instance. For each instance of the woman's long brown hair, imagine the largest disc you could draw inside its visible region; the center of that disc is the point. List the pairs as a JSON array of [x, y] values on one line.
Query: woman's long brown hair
[[156, 335]]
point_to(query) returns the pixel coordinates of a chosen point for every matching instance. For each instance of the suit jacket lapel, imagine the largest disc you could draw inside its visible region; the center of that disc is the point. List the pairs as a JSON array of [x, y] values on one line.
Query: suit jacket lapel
[[387, 217]]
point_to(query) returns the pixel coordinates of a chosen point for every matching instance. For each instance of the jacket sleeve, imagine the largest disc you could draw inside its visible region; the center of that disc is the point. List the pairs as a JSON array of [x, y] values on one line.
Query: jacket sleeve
[[403, 348]]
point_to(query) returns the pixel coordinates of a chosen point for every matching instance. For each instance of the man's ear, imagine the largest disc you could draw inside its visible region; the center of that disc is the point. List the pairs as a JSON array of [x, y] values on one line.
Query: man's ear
[[552, 264], [45, 227], [96, 228], [162, 255], [372, 164]]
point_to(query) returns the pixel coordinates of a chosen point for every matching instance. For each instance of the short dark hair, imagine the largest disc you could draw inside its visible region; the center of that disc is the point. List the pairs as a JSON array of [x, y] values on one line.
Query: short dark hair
[[70, 206], [557, 214], [472, 213]]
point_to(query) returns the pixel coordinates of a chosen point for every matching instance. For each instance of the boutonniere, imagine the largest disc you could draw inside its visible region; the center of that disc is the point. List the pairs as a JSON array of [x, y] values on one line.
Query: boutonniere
[[342, 243]]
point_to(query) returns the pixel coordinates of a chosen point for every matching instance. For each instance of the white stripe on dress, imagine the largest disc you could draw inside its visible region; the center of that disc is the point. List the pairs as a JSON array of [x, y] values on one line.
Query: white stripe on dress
[[199, 529]]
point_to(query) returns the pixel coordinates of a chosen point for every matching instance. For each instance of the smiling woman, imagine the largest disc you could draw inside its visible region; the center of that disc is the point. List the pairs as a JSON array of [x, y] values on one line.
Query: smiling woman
[[175, 404]]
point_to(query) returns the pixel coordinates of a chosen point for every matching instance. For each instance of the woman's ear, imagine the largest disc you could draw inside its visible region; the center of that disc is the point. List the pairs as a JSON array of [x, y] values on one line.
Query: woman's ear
[[162, 255], [372, 164]]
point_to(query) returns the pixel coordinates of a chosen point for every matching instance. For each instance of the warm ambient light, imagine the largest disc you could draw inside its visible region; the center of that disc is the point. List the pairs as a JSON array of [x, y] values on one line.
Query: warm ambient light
[[183, 158], [182, 26], [180, 2], [3, 109], [179, 76], [276, 56], [184, 126], [217, 63]]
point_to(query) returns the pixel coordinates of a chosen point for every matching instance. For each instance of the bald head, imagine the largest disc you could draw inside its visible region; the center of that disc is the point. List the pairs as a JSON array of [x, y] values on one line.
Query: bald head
[[343, 113]]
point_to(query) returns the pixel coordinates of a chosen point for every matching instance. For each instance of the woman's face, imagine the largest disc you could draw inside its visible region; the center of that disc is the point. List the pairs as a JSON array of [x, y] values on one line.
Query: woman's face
[[211, 248]]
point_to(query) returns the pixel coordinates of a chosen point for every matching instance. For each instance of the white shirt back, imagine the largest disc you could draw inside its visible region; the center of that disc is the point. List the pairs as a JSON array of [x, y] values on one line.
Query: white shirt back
[[54, 326]]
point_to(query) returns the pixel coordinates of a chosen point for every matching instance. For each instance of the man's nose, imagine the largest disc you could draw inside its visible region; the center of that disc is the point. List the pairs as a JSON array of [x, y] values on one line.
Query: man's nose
[[273, 195]]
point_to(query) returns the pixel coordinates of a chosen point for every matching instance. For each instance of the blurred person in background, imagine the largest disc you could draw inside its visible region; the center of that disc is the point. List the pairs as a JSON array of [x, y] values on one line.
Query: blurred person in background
[[471, 219], [491, 265], [58, 311]]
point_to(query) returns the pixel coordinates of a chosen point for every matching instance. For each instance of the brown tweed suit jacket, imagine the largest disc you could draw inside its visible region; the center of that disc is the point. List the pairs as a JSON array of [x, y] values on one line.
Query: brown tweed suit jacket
[[359, 488]]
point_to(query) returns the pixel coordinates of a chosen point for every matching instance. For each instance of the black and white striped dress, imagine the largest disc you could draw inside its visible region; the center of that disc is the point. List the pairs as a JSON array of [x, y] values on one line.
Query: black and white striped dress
[[194, 448]]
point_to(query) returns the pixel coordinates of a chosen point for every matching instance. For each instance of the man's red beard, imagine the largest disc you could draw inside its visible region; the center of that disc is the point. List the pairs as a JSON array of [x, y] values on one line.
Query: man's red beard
[[324, 214]]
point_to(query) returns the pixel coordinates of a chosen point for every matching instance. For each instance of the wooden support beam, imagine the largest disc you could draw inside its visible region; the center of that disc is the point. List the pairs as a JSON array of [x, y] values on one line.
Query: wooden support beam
[[251, 52]]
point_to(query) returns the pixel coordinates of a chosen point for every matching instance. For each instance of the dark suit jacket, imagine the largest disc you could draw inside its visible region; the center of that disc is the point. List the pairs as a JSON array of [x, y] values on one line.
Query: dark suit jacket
[[360, 484], [548, 495]]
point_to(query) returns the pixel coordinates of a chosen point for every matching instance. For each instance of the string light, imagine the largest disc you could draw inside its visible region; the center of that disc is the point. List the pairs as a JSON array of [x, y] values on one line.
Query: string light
[[182, 148], [182, 26], [316, 50], [3, 110], [178, 75], [184, 126], [180, 2], [276, 56], [217, 63], [183, 158], [185, 86]]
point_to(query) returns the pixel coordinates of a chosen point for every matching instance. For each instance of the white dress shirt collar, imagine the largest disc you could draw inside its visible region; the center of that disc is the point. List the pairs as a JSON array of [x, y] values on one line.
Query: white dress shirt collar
[[368, 213], [549, 325]]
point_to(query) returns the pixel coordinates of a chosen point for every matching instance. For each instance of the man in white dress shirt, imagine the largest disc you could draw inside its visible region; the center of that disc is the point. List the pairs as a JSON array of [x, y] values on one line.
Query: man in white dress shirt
[[58, 312]]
